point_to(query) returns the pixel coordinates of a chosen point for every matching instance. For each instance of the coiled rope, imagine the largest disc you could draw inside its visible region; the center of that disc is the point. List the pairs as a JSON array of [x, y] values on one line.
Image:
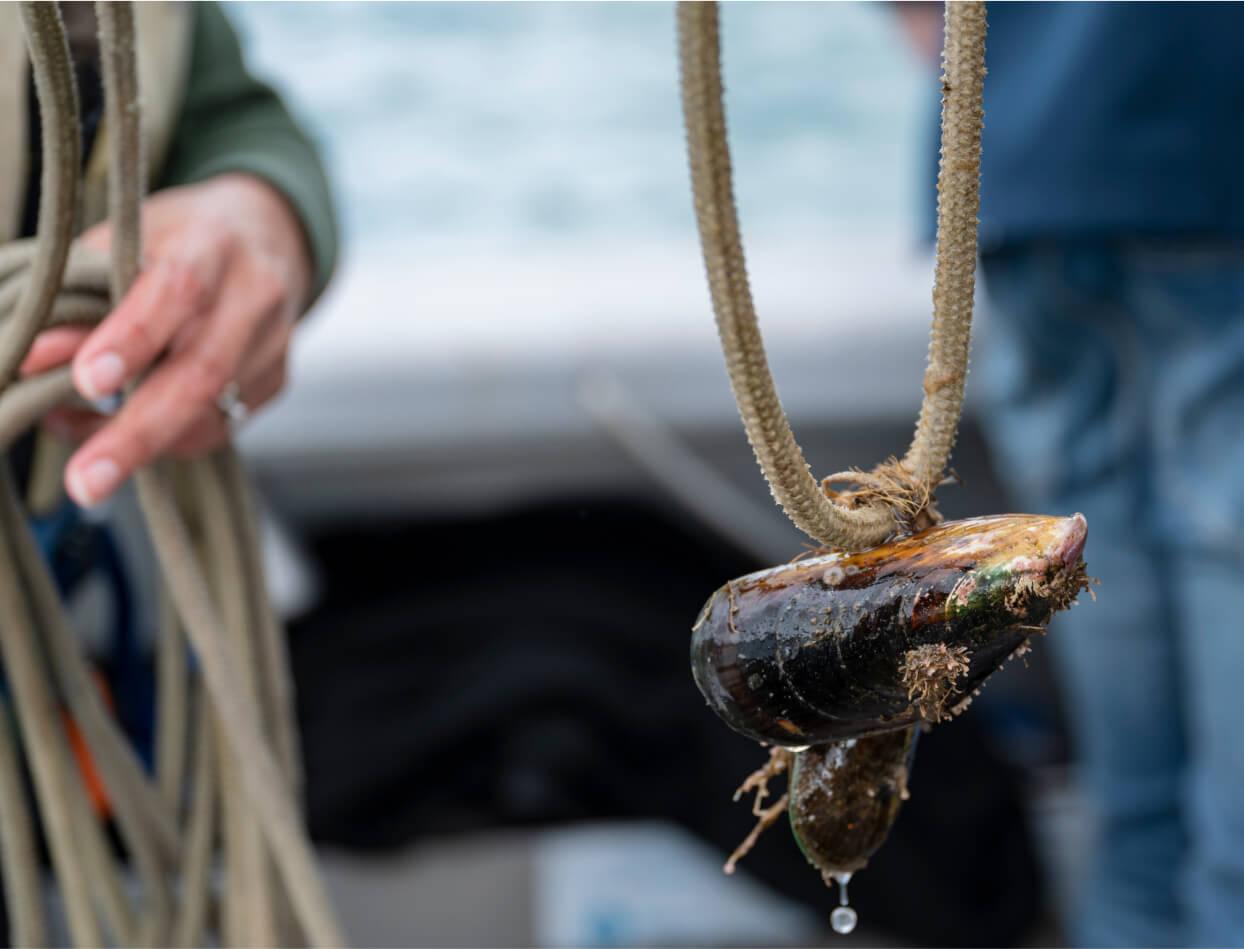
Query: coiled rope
[[233, 705], [896, 494]]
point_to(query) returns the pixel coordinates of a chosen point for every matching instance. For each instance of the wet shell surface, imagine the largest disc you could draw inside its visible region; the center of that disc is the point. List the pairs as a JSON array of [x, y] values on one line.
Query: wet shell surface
[[843, 645], [844, 798]]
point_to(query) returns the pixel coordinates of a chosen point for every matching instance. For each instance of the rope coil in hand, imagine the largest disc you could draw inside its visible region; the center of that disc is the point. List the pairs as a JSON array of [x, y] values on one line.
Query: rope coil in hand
[[243, 772], [896, 494]]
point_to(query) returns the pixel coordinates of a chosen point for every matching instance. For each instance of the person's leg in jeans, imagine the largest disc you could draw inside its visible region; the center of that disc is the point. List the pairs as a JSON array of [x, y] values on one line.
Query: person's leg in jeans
[[1065, 383], [1192, 303], [1212, 614]]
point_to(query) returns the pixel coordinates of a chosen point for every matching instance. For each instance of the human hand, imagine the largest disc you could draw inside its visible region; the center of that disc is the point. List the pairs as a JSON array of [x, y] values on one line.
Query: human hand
[[226, 273]]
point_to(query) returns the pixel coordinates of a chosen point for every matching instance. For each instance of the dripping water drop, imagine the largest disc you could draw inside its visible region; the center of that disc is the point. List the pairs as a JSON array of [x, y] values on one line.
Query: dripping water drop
[[843, 918]]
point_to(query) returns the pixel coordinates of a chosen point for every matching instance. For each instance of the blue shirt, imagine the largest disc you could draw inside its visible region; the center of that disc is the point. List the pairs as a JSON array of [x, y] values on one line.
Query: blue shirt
[[1113, 119]]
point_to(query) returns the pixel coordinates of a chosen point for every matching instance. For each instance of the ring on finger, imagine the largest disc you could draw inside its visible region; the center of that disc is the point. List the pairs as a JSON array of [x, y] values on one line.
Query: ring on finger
[[231, 405]]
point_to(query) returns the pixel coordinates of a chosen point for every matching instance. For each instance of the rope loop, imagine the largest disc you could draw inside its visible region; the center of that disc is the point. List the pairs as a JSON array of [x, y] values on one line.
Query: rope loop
[[897, 495], [203, 535]]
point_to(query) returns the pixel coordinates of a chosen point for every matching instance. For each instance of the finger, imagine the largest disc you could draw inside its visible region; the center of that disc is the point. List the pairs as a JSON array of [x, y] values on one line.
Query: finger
[[52, 348], [262, 375], [212, 429], [206, 433], [268, 357], [181, 389], [177, 289]]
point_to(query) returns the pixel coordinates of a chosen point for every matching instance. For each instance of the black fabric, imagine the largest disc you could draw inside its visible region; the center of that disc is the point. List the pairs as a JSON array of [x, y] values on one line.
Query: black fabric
[[535, 669]]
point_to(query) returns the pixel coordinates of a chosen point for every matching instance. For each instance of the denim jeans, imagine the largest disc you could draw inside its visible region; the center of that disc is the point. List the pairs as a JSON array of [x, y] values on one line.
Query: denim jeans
[[1113, 384]]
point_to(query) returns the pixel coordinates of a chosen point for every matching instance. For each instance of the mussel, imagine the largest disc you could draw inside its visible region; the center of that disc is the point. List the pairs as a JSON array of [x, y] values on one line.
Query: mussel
[[845, 796], [844, 645]]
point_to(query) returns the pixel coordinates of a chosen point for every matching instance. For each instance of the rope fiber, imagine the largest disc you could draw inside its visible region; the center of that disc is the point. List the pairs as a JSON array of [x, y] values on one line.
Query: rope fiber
[[237, 807], [897, 494]]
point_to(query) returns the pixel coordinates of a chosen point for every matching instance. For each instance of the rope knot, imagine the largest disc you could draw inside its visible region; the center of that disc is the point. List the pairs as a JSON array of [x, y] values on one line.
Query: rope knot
[[893, 485]]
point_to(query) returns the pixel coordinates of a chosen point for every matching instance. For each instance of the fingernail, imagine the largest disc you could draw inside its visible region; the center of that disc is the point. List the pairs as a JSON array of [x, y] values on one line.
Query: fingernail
[[103, 375], [93, 483]]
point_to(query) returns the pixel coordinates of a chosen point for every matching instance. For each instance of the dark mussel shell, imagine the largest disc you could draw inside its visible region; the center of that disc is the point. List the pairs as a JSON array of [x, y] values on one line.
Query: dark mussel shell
[[821, 650], [845, 797]]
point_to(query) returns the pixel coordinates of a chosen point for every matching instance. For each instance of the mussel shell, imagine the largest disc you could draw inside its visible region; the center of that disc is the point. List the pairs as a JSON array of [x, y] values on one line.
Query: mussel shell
[[812, 652], [845, 797]]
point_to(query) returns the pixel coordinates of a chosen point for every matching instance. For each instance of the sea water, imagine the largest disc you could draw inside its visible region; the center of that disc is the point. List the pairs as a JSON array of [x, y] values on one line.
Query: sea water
[[560, 123]]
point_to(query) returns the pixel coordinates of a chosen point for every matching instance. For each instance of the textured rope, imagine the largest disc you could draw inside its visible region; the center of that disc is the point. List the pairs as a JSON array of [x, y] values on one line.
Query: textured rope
[[118, 59], [249, 918], [870, 516], [172, 712], [200, 831], [272, 655], [95, 851], [260, 775], [43, 738], [237, 712], [958, 203], [58, 189], [147, 829], [768, 430], [244, 697], [21, 405], [22, 896]]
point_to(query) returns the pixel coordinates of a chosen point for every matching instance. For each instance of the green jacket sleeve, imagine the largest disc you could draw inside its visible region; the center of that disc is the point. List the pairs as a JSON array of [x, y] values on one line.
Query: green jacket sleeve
[[231, 122]]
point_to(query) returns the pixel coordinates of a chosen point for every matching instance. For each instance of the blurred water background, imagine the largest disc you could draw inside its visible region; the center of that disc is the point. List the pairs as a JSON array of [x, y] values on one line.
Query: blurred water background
[[513, 186], [521, 125]]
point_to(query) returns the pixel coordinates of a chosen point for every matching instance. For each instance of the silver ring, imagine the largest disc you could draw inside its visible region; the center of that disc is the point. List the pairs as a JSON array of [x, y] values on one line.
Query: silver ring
[[231, 405]]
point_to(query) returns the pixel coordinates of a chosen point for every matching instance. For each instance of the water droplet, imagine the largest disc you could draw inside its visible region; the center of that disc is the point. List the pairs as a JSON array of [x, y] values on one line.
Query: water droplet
[[843, 920]]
